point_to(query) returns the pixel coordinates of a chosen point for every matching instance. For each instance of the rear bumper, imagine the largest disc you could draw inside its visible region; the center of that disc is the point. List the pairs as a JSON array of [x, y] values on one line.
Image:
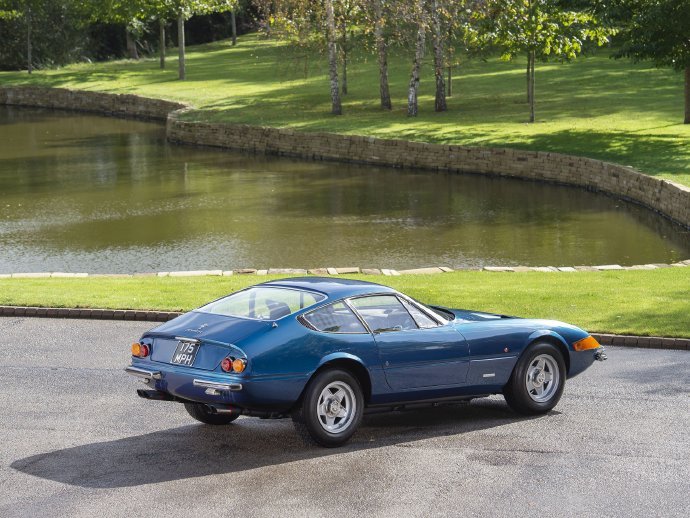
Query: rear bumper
[[143, 373], [278, 392]]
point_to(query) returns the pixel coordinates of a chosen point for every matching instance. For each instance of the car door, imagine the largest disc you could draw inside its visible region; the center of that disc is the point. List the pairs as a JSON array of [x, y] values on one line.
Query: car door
[[416, 350]]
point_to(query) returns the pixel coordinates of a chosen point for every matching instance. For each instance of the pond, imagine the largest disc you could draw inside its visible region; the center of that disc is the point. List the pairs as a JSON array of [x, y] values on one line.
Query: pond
[[85, 193]]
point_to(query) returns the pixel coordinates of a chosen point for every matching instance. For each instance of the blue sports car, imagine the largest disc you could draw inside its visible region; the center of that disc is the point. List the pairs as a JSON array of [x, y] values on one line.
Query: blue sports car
[[325, 350]]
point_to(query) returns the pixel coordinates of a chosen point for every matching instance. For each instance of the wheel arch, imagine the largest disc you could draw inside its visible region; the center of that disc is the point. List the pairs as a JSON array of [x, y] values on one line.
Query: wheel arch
[[348, 363], [547, 336]]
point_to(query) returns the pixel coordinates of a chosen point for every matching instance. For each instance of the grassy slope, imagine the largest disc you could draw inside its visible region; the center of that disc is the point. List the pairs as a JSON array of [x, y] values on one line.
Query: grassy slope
[[653, 302], [597, 107]]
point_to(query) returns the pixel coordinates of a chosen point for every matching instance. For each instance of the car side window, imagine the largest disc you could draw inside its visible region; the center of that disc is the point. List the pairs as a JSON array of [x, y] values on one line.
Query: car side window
[[384, 313], [335, 318], [423, 320]]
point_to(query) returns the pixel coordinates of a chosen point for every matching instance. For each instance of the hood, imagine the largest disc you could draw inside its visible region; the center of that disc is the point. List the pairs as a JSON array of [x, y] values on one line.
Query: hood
[[467, 315]]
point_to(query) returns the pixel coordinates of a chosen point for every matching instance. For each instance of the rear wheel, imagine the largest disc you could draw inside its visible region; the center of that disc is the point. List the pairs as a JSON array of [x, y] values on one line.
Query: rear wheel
[[537, 382], [331, 409], [201, 413]]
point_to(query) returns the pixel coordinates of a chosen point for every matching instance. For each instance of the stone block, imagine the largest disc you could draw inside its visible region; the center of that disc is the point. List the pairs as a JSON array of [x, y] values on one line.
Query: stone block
[[603, 267], [347, 270], [371, 271], [41, 275], [498, 269], [332, 271], [286, 271], [318, 271], [262, 272], [197, 273], [421, 271], [566, 269]]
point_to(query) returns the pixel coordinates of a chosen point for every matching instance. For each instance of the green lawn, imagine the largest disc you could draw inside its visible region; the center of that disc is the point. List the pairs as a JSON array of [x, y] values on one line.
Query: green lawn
[[655, 302], [598, 107]]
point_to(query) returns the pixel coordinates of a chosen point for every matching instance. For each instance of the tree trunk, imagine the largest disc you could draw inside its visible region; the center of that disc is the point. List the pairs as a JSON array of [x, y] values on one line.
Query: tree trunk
[[440, 102], [29, 46], [233, 25], [529, 73], [180, 47], [530, 87], [344, 84], [336, 107], [418, 56], [161, 42], [687, 95], [131, 45], [451, 55], [382, 49]]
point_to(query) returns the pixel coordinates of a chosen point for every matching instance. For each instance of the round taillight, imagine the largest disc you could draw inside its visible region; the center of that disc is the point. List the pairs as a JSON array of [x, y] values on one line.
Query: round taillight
[[136, 348], [239, 365], [226, 364], [143, 351]]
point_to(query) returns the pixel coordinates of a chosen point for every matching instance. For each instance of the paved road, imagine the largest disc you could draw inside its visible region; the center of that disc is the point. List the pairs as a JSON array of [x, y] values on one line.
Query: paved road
[[76, 441]]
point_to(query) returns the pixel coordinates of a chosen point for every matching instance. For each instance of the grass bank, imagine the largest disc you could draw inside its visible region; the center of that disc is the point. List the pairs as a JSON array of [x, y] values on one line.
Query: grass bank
[[597, 107], [646, 303]]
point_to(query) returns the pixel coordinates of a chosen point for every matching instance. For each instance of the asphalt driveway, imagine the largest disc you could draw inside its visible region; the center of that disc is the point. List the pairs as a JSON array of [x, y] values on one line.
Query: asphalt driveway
[[76, 441]]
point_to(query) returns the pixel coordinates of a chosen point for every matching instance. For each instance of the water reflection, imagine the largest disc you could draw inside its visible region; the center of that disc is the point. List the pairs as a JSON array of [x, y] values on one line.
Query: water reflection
[[88, 193]]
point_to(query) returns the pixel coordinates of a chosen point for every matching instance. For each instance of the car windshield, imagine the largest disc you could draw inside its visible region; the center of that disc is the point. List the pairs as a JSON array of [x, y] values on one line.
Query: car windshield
[[263, 303]]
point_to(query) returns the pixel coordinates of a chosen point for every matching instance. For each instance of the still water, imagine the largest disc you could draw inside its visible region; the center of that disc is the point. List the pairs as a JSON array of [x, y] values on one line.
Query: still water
[[84, 193]]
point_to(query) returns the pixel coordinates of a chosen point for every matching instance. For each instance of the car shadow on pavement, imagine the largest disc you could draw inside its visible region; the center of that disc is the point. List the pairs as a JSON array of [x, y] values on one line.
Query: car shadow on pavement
[[198, 450]]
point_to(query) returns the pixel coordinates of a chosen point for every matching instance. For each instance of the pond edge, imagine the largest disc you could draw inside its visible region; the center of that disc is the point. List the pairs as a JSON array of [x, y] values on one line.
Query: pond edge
[[668, 198]]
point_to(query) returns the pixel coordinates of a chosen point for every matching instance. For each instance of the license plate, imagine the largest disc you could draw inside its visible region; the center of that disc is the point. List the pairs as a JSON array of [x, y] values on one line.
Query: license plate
[[185, 353]]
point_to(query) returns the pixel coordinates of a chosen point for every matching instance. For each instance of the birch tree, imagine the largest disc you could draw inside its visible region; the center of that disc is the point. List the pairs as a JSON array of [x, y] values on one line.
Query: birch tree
[[336, 106], [419, 15]]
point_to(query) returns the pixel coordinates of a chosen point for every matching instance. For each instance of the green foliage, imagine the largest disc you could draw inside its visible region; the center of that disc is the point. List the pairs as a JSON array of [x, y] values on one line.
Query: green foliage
[[58, 32], [658, 30], [542, 27]]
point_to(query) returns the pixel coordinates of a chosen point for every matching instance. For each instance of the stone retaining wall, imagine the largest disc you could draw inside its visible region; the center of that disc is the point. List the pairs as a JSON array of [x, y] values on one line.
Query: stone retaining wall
[[663, 196], [124, 105]]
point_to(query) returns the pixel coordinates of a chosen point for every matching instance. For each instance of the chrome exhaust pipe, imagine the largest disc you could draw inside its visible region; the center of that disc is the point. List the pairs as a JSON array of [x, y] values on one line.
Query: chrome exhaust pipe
[[222, 410]]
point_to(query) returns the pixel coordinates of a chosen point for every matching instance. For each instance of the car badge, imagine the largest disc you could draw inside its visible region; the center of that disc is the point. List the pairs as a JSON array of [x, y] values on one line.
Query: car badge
[[198, 329]]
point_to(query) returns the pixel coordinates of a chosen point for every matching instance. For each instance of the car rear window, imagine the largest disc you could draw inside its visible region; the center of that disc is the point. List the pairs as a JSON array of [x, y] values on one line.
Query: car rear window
[[263, 303]]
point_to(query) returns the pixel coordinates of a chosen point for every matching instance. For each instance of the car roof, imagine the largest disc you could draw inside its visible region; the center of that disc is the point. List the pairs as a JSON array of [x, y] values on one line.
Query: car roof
[[333, 287]]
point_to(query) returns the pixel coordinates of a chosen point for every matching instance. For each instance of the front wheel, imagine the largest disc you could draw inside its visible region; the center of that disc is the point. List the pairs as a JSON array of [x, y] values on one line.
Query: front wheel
[[201, 413], [537, 382], [331, 409]]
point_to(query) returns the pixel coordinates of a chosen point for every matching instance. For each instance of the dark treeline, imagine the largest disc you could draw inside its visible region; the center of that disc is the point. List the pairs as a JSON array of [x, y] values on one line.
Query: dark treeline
[[60, 33]]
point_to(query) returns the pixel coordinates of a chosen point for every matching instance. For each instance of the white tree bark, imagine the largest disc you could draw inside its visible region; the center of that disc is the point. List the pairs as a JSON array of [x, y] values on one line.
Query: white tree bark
[[418, 56], [182, 72], [336, 106]]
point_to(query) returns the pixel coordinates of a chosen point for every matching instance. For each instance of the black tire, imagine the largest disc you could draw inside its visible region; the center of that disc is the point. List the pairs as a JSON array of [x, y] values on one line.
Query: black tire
[[201, 413], [521, 392], [312, 426]]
